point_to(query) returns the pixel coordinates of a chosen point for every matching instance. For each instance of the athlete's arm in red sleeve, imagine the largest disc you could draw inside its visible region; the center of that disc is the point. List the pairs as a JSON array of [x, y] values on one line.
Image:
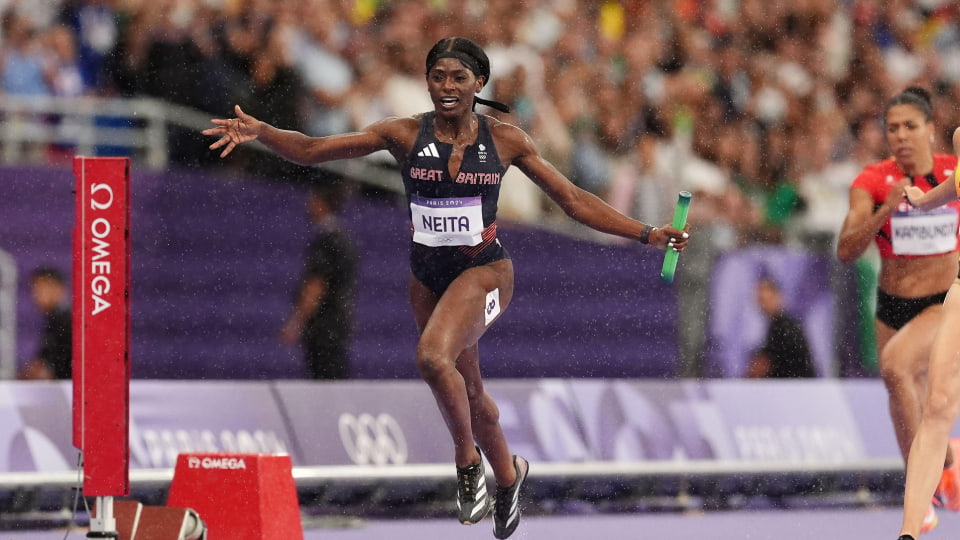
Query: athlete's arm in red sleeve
[[863, 222]]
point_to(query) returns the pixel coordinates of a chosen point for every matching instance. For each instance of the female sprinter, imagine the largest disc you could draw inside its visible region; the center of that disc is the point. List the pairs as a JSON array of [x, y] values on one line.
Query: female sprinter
[[452, 161], [915, 271], [943, 396]]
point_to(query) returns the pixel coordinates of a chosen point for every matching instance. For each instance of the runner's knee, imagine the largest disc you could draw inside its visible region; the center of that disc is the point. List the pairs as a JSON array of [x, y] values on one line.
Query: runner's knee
[[431, 361], [941, 406], [897, 366]]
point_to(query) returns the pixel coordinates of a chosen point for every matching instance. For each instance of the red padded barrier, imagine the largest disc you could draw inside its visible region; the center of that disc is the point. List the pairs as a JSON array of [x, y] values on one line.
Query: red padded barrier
[[239, 496]]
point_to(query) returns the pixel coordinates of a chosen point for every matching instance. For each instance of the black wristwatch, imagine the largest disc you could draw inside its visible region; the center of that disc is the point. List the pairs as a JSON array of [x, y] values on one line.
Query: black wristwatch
[[645, 234]]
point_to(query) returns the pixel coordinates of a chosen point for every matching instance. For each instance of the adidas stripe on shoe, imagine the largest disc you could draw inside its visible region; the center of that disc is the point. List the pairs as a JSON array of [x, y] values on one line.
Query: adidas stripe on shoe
[[472, 501], [506, 507]]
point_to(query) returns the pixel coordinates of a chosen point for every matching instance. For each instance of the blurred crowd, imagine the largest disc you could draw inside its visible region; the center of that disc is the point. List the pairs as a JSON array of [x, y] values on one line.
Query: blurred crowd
[[764, 109]]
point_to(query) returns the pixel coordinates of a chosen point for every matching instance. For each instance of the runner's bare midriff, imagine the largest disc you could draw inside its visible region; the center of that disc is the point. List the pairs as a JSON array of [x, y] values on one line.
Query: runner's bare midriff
[[918, 277]]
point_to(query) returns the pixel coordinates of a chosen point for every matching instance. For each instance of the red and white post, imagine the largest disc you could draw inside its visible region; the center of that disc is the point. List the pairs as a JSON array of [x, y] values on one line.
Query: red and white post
[[101, 330]]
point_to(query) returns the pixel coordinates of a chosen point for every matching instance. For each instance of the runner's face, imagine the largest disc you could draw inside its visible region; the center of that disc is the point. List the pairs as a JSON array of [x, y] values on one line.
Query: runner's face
[[452, 87], [909, 136]]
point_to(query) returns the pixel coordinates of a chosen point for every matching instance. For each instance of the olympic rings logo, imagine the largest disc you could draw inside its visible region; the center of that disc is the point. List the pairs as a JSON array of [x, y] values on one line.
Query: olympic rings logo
[[373, 440]]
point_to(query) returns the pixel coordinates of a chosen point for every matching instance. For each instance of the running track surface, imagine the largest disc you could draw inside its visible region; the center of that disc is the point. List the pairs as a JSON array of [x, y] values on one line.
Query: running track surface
[[854, 524]]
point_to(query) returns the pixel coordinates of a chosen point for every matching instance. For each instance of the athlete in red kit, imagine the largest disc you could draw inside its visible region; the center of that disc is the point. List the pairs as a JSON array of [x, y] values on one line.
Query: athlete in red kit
[[918, 253]]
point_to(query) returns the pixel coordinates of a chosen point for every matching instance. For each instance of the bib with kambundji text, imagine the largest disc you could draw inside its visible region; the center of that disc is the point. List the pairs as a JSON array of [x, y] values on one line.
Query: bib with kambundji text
[[914, 232]]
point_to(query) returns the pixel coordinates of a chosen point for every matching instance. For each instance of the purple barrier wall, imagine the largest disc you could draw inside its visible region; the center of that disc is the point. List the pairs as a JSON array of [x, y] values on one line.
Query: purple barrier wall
[[169, 417], [737, 326], [166, 417], [209, 286], [365, 422], [214, 264], [36, 431], [813, 422], [868, 404], [36, 217]]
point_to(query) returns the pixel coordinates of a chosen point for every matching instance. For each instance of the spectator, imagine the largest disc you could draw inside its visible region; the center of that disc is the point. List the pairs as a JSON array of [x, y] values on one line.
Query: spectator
[[95, 23], [173, 57], [25, 72], [404, 90], [365, 105], [824, 185], [274, 91], [53, 359], [329, 78], [322, 316], [66, 82], [643, 186], [66, 78], [785, 352]]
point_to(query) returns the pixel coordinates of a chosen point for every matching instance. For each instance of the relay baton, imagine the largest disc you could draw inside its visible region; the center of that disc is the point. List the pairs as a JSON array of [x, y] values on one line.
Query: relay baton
[[679, 222]]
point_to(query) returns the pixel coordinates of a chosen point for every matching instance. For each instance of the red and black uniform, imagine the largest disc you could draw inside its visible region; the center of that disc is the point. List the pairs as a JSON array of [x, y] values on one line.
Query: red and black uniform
[[910, 233]]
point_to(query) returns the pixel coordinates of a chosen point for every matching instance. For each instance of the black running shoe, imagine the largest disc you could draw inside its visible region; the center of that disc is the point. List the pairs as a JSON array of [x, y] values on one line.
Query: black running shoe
[[472, 500], [506, 508], [906, 537]]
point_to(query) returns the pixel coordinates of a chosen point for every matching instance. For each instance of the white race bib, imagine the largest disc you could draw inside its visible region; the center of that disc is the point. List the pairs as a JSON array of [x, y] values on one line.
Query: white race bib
[[447, 222], [924, 233], [491, 306]]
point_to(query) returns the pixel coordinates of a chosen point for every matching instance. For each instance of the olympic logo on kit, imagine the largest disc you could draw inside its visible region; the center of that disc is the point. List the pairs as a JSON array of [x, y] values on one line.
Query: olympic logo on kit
[[373, 440]]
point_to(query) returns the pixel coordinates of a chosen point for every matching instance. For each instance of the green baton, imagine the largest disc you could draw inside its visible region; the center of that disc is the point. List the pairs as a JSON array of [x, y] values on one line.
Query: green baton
[[679, 222]]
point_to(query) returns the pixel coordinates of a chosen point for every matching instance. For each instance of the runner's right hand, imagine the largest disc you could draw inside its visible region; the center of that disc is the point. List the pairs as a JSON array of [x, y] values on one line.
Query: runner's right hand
[[233, 131]]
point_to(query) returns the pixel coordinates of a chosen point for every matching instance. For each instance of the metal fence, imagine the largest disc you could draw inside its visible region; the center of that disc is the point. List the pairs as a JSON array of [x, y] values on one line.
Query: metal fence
[[137, 128], [8, 316]]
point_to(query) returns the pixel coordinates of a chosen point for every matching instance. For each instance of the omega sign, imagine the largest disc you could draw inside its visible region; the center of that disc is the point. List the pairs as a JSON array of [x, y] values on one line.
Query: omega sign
[[101, 267], [221, 463], [101, 322]]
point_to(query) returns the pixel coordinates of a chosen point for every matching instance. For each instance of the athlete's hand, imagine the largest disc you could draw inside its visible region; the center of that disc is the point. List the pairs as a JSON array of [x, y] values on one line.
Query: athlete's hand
[[914, 195], [233, 131], [956, 141], [895, 196], [669, 237]]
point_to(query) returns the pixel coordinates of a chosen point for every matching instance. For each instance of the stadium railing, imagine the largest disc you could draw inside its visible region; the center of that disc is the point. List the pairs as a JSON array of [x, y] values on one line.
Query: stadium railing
[[8, 315], [133, 127]]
